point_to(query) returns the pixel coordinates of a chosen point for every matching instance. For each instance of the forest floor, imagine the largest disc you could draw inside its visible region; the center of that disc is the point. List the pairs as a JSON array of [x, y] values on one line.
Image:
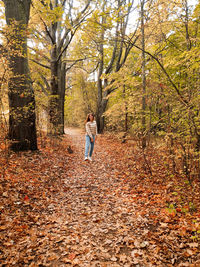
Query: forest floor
[[122, 209]]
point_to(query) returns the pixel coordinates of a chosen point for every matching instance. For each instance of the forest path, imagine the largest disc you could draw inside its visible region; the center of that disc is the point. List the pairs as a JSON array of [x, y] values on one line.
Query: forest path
[[103, 216]]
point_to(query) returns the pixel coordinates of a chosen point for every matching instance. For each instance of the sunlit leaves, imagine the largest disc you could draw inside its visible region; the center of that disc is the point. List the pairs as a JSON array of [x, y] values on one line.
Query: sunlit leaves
[[46, 12]]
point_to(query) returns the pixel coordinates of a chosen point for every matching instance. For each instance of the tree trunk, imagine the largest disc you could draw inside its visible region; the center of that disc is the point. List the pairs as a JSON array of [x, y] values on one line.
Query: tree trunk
[[59, 36], [118, 57], [100, 110], [22, 126], [125, 110], [143, 78], [62, 81], [57, 97], [187, 26], [54, 96]]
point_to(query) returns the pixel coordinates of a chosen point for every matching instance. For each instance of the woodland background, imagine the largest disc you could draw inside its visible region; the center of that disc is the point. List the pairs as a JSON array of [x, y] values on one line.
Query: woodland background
[[134, 64]]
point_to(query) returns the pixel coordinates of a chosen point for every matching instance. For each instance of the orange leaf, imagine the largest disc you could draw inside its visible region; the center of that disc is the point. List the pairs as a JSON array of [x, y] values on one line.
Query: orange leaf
[[72, 256], [26, 198]]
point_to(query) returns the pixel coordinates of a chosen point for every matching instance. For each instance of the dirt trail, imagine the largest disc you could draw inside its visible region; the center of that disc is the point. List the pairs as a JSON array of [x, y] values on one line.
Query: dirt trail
[[102, 218]]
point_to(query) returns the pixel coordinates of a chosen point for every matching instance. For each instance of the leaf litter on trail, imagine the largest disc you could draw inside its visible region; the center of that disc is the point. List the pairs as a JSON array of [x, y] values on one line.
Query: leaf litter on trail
[[57, 210]]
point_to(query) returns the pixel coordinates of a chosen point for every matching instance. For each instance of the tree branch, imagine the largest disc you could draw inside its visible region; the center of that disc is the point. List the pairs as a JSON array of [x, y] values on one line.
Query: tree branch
[[110, 66], [76, 61], [35, 50], [75, 24], [45, 81], [46, 28], [166, 73], [43, 89], [42, 65]]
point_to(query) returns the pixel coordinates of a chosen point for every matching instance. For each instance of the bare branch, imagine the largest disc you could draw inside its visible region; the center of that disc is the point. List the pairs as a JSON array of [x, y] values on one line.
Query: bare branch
[[39, 63], [44, 56], [43, 89], [74, 63], [110, 66], [45, 81], [67, 31], [89, 72], [63, 3]]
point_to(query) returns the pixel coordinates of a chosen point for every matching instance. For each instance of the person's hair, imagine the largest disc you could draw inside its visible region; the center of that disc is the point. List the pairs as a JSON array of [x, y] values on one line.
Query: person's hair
[[88, 117]]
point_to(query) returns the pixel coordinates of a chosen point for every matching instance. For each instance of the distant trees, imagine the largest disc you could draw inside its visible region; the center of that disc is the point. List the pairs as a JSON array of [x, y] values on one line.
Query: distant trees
[[53, 30], [112, 51], [104, 36], [172, 82], [170, 48]]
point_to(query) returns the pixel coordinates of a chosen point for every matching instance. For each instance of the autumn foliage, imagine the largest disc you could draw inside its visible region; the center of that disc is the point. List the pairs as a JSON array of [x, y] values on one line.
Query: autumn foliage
[[57, 209], [135, 65]]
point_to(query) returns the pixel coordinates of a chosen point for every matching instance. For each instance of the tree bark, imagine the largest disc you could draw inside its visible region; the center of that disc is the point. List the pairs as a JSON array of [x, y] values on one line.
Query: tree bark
[[57, 97], [125, 111], [22, 119], [54, 100], [99, 113], [143, 78]]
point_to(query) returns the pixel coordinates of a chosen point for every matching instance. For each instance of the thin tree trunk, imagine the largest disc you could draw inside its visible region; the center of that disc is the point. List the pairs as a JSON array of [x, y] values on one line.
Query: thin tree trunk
[[126, 111], [143, 78], [62, 96], [100, 110], [187, 26]]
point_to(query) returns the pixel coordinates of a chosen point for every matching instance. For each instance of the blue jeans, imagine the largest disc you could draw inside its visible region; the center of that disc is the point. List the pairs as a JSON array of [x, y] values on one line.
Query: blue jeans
[[89, 146]]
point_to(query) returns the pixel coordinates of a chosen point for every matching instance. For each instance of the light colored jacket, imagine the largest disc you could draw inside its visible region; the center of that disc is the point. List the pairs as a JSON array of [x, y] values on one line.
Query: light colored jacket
[[91, 128]]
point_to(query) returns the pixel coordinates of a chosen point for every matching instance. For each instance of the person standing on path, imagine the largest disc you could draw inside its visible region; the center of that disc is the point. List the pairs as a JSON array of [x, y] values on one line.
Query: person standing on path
[[91, 135]]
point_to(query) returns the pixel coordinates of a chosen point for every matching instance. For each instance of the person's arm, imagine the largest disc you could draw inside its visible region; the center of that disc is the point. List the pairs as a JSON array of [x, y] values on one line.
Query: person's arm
[[96, 132], [96, 129]]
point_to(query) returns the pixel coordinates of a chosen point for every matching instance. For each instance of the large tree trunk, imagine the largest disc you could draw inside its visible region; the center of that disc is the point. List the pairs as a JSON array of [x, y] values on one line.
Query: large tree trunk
[[22, 126], [54, 94]]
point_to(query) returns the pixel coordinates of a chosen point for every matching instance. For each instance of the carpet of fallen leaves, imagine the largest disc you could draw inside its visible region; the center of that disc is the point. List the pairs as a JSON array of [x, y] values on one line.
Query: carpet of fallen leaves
[[58, 210]]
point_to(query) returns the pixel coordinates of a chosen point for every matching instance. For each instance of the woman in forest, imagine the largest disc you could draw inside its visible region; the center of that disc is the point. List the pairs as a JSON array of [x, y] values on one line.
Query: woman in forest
[[91, 135]]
